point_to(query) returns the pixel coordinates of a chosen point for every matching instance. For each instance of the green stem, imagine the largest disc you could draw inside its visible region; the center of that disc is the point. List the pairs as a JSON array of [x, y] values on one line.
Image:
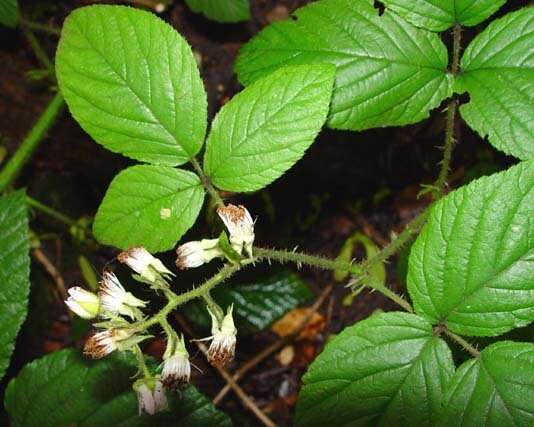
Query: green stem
[[206, 182], [35, 26], [441, 182], [409, 232], [39, 51], [31, 142], [223, 274], [213, 306], [298, 258], [141, 361], [67, 220], [356, 270], [463, 343]]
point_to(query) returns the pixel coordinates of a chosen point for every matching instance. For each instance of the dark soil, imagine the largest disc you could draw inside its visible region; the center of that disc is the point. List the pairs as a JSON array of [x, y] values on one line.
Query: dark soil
[[348, 181]]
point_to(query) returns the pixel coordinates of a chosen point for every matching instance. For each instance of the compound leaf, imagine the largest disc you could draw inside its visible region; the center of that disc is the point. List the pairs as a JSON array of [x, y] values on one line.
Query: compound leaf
[[472, 265], [498, 73], [222, 10], [265, 129], [132, 83], [387, 370], [150, 206], [493, 390], [14, 271], [388, 72], [9, 13], [438, 15], [65, 388]]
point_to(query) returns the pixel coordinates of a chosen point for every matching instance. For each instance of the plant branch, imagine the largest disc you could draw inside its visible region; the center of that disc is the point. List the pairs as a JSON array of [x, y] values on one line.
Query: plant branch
[[13, 167], [452, 108], [463, 343], [206, 182], [396, 244], [39, 52], [35, 26], [224, 273], [299, 258]]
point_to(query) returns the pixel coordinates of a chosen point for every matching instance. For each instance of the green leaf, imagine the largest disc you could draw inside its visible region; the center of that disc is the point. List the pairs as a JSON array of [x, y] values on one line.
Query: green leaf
[[265, 129], [256, 305], [14, 271], [497, 72], [438, 15], [151, 206], [9, 13], [472, 265], [388, 72], [65, 388], [494, 390], [226, 247], [132, 83], [388, 370], [221, 10]]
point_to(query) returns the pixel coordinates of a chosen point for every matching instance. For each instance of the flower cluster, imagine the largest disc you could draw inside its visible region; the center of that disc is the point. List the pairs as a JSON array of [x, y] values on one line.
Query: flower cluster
[[122, 320], [240, 226]]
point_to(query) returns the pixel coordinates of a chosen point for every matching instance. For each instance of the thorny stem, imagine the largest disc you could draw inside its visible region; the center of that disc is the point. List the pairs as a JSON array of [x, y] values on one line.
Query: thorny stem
[[301, 258], [452, 107], [223, 274], [396, 244], [206, 182], [465, 345], [31, 142], [356, 270]]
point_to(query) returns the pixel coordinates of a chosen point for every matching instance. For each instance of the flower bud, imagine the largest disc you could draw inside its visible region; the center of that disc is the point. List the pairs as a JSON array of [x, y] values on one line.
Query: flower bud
[[150, 395], [176, 367], [115, 299], [103, 343], [195, 253], [240, 225], [144, 264], [84, 303], [222, 347]]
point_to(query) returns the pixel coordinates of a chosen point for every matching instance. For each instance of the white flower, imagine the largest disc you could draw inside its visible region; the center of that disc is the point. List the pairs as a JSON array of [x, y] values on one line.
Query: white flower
[[103, 343], [240, 225], [150, 395], [144, 264], [115, 299], [84, 303], [222, 347], [195, 253], [176, 367]]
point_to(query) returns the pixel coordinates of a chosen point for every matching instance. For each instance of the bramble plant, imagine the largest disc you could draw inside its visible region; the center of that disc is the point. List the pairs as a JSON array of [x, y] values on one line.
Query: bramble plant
[[132, 83]]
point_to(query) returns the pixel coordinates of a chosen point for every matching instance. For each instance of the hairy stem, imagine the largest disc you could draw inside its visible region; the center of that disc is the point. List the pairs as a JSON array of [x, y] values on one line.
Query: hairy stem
[[223, 274], [452, 108], [298, 258], [206, 182], [141, 361], [409, 232], [31, 142], [213, 306], [463, 343]]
